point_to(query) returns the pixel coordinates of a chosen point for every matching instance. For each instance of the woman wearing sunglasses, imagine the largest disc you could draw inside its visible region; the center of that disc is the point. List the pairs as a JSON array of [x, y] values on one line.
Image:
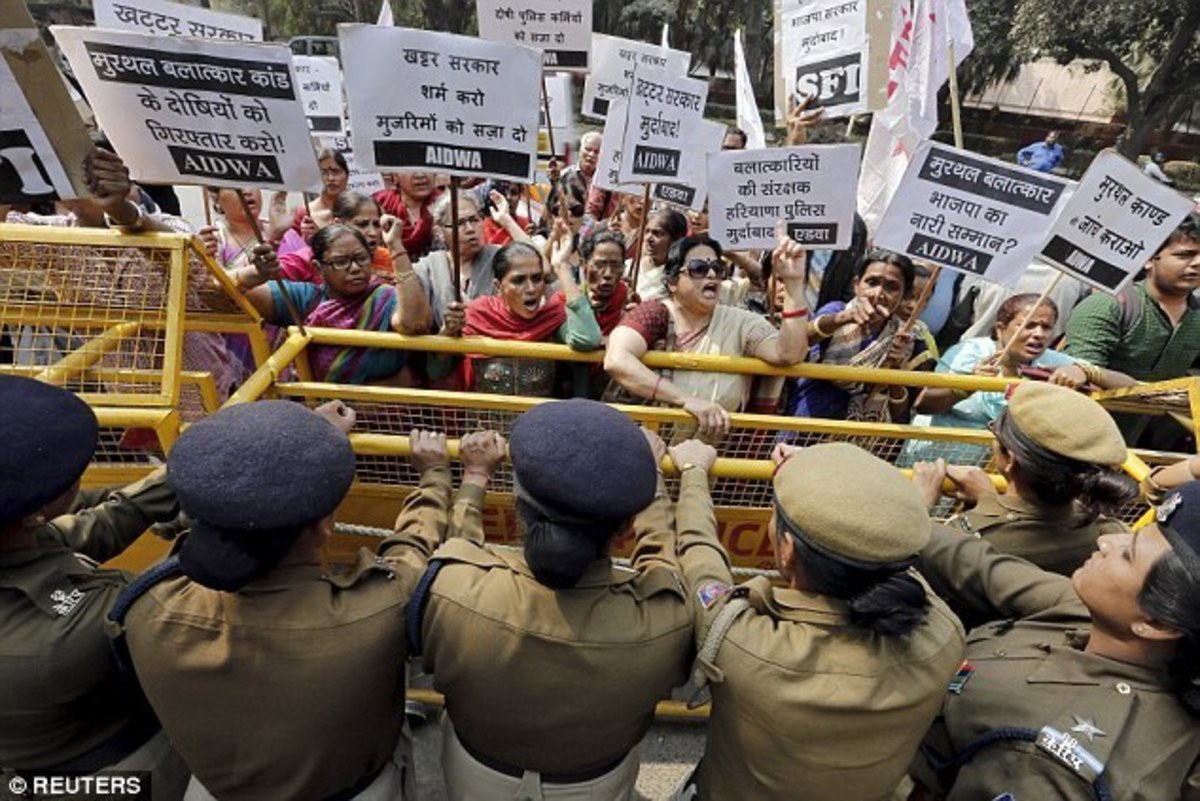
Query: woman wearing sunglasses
[[691, 320], [350, 297]]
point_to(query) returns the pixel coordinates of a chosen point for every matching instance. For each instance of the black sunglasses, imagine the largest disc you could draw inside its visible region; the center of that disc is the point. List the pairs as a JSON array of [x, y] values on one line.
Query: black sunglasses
[[699, 268]]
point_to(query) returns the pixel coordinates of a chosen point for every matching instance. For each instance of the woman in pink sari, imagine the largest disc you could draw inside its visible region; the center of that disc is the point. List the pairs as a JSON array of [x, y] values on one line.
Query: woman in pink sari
[[350, 297]]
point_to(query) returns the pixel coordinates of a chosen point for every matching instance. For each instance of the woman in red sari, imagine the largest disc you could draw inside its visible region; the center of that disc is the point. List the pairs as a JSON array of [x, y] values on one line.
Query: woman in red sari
[[519, 311]]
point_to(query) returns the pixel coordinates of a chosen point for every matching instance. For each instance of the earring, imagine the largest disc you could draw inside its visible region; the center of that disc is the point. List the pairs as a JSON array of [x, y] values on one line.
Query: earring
[[1141, 629]]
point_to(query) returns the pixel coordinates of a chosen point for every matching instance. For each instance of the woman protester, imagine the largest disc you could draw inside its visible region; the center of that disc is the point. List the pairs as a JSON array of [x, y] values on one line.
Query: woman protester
[[66, 706], [1019, 345], [276, 676], [362, 213], [1061, 454], [233, 238], [319, 212], [1089, 686], [664, 228], [349, 297], [693, 321], [520, 311], [409, 199], [821, 688], [582, 650], [477, 258], [866, 332]]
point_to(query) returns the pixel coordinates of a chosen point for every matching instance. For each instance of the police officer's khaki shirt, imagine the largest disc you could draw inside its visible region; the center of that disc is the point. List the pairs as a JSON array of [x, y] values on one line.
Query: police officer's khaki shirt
[[1086, 714], [556, 681], [1051, 538], [804, 704], [292, 687], [61, 692]]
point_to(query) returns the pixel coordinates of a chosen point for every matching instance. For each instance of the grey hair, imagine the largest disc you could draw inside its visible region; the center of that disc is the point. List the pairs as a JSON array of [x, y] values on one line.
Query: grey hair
[[583, 140], [441, 207]]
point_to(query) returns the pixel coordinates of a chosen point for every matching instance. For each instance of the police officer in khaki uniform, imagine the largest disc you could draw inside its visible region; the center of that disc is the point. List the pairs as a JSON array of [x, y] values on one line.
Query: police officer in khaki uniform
[[275, 676], [1090, 687], [1061, 454], [822, 689], [552, 660], [65, 706]]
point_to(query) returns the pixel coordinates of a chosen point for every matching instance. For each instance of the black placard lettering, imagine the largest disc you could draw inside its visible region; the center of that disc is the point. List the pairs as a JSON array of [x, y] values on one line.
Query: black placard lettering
[[488, 161], [1078, 261], [813, 233], [832, 82], [950, 255], [655, 161], [250, 168], [138, 65], [564, 58]]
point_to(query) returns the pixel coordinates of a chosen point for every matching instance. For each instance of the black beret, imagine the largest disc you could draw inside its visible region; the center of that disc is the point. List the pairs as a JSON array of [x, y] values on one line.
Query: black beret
[[49, 437], [1179, 520], [583, 458], [253, 476], [265, 466]]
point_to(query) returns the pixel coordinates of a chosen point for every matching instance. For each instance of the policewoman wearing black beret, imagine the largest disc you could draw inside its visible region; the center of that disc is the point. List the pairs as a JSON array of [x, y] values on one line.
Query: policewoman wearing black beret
[[65, 706], [275, 676], [822, 689], [1061, 454], [552, 660], [1090, 687]]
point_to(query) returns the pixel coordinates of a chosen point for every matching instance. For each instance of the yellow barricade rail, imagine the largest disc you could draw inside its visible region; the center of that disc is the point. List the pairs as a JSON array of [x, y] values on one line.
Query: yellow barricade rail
[[108, 315]]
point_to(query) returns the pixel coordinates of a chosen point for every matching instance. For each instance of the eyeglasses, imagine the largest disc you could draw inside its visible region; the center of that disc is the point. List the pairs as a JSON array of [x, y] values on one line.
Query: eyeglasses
[[363, 260], [607, 265], [699, 268], [465, 222]]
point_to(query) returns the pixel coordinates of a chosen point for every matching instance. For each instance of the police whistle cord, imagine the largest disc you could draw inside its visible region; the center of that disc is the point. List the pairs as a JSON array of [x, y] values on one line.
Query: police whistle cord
[[356, 530]]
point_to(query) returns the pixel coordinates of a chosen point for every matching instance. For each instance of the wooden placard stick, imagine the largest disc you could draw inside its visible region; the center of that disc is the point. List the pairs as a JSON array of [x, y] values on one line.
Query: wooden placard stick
[[293, 312], [208, 201], [455, 258], [641, 236], [549, 122], [922, 302]]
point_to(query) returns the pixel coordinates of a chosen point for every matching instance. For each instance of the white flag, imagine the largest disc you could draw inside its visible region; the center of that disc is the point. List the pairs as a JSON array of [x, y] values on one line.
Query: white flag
[[917, 69], [385, 14], [748, 118], [666, 36]]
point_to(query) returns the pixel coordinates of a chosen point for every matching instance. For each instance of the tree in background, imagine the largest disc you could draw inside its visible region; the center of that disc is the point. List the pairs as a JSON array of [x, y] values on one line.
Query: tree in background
[[1152, 46]]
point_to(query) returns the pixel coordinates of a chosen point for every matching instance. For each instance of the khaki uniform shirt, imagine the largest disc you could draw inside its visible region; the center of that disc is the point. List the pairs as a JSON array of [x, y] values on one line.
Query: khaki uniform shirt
[[1033, 673], [61, 692], [292, 687], [1049, 537], [556, 681], [804, 704]]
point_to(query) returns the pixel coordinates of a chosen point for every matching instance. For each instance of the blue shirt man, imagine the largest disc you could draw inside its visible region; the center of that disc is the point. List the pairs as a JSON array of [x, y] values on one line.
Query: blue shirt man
[[1042, 156]]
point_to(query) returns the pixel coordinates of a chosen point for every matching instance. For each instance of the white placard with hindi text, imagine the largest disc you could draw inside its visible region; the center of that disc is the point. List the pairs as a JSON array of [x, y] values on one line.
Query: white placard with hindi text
[[360, 180], [465, 106], [970, 213], [1117, 219], [825, 51], [163, 18], [664, 113], [608, 166], [561, 29], [613, 63], [705, 138], [810, 188], [185, 111], [319, 80]]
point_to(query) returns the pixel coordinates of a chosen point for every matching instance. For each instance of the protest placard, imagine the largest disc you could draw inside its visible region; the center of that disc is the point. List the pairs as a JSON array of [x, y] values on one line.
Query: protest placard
[[43, 141], [608, 165], [825, 54], [811, 188], [183, 110], [561, 29], [360, 180], [319, 81], [705, 138], [613, 62], [1116, 220], [163, 18], [970, 213], [558, 98], [664, 111], [465, 107]]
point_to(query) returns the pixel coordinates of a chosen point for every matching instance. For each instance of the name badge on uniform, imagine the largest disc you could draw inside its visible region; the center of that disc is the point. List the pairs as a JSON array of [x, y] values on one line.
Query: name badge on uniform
[[1066, 749], [712, 591]]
